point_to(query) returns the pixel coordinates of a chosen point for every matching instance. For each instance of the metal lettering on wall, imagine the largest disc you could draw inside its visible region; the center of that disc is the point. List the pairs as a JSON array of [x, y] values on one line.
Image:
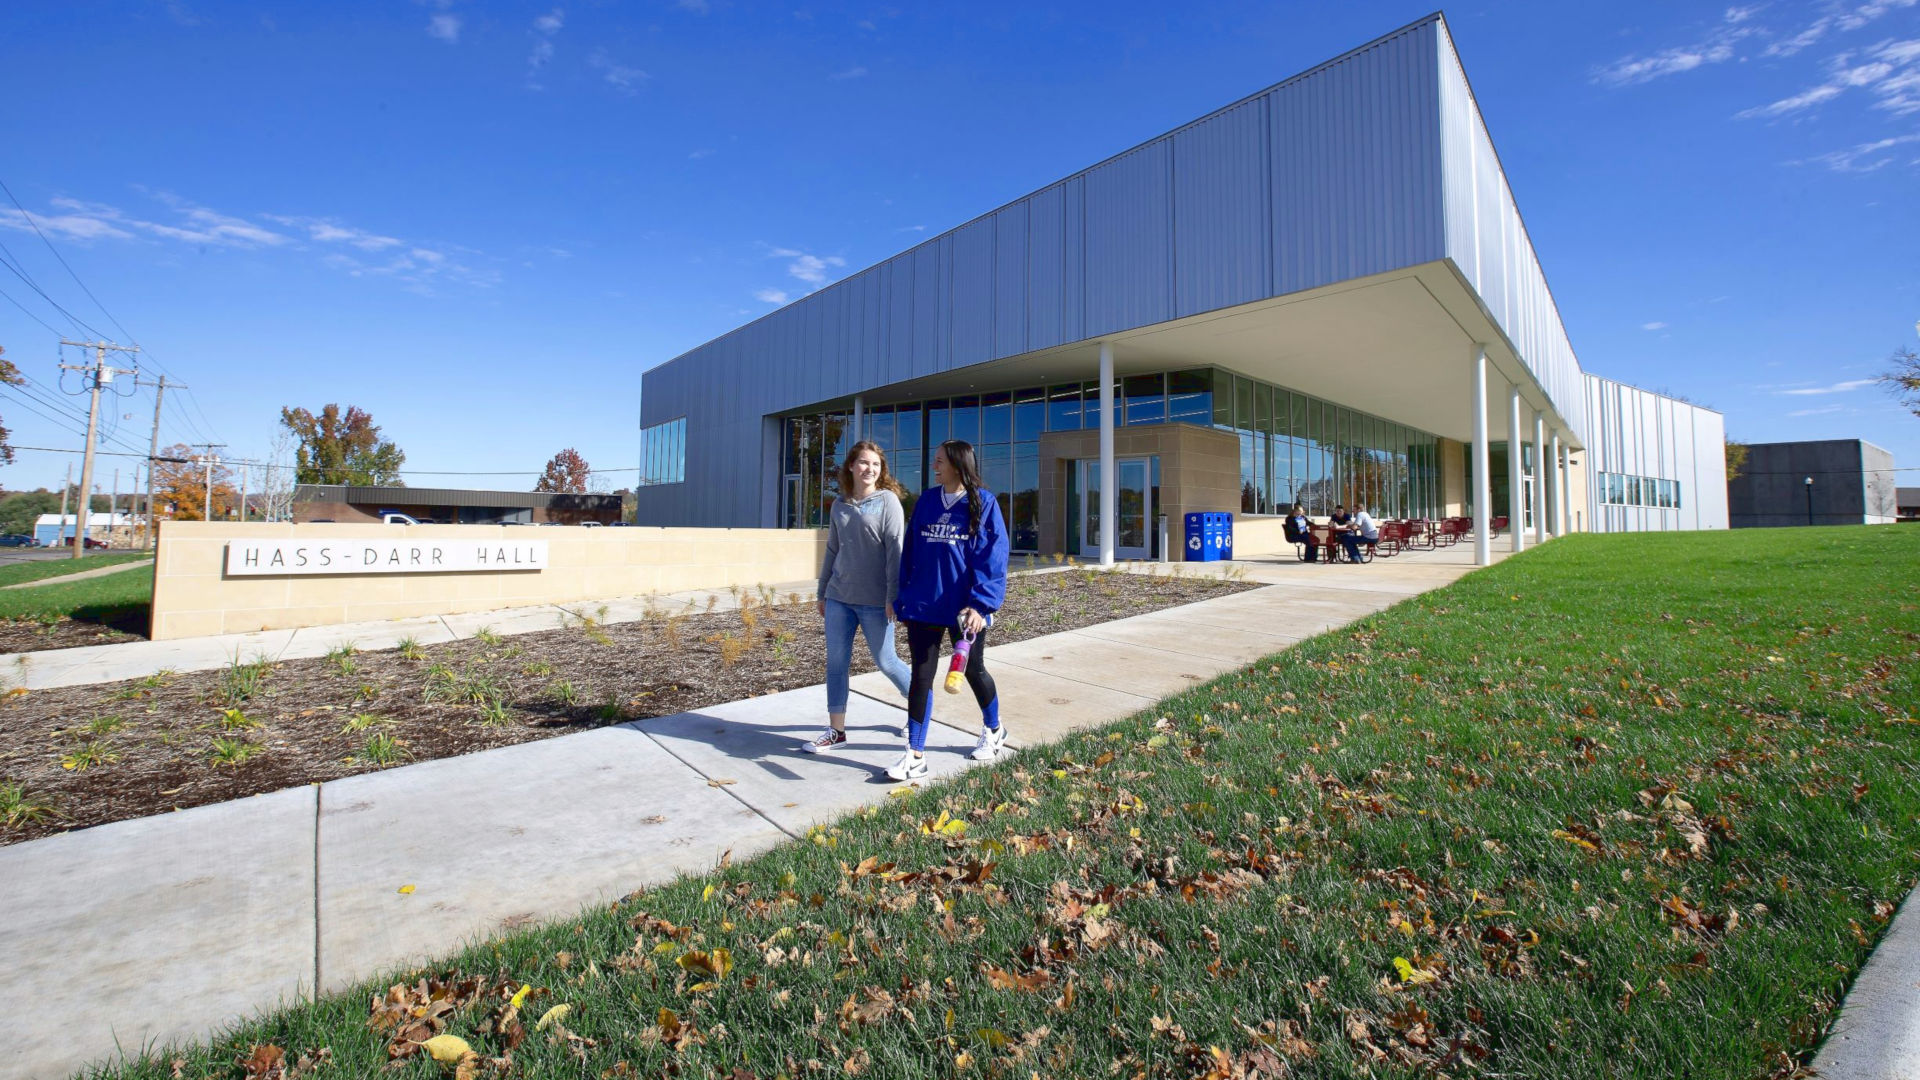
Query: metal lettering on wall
[[276, 558]]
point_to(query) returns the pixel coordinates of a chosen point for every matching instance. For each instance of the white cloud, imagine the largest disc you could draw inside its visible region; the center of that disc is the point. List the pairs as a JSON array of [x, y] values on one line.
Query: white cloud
[[1653, 326], [850, 73], [775, 297], [544, 28], [327, 232], [1866, 157], [619, 76], [1715, 48], [1889, 70], [551, 22], [445, 27], [1817, 412], [1802, 100], [1836, 388], [811, 269], [703, 152]]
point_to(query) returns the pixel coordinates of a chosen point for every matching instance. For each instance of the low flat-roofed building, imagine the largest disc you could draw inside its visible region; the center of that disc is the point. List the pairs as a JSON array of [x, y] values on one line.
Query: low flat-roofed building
[[1817, 482], [450, 506]]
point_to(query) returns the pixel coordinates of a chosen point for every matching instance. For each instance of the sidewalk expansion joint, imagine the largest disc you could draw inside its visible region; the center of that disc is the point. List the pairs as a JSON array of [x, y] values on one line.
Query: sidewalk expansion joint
[[726, 788], [317, 789]]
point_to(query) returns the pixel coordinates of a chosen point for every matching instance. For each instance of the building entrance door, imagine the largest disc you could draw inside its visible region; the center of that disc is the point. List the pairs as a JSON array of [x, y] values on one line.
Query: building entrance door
[[1132, 536]]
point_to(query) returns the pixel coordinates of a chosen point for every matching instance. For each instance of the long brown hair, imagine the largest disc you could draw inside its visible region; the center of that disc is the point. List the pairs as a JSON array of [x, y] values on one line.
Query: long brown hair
[[886, 482], [960, 455]]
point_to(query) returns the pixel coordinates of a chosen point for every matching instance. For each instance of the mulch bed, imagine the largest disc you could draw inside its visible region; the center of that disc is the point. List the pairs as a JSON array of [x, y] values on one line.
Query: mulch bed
[[108, 752], [26, 635]]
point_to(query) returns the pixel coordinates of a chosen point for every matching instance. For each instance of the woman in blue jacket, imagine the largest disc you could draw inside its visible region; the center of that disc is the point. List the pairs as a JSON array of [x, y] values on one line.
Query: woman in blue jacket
[[953, 577]]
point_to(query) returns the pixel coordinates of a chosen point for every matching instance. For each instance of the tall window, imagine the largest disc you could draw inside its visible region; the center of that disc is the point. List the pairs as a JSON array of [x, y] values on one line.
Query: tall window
[[663, 453]]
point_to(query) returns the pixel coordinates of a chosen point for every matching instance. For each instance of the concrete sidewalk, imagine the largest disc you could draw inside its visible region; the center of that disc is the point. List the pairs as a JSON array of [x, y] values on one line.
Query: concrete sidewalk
[[167, 928], [103, 571]]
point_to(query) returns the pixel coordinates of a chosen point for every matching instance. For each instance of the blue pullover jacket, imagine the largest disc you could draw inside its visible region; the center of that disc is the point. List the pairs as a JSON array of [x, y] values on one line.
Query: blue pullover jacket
[[943, 568]]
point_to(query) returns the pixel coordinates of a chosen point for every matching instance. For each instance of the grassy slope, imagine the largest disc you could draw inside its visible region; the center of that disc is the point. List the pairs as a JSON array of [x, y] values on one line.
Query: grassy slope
[[41, 569], [1545, 790], [120, 600]]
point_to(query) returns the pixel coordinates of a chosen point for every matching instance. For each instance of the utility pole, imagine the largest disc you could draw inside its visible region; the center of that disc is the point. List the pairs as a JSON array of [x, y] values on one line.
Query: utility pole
[[102, 375], [65, 491], [113, 501], [243, 491], [153, 454], [209, 448]]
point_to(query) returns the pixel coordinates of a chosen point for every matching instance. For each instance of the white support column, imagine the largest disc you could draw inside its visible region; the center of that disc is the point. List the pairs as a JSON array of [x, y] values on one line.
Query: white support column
[[1109, 476], [1482, 484], [1516, 482], [1566, 490], [1539, 477], [859, 417], [1559, 489]]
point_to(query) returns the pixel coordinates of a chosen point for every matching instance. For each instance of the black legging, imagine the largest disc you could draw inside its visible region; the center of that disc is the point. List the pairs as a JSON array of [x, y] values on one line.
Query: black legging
[[923, 646]]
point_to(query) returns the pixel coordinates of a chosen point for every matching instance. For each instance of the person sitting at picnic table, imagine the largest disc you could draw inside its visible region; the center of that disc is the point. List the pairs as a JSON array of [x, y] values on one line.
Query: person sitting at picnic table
[[1340, 521], [1300, 531], [1362, 529]]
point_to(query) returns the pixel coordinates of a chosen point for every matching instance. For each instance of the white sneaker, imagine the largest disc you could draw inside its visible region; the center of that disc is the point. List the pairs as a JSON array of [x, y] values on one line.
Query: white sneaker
[[911, 766], [992, 741], [826, 742]]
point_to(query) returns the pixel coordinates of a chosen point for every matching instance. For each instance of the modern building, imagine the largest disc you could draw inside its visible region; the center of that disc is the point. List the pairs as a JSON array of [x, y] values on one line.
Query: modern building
[[1907, 502], [1323, 292], [1823, 482], [448, 506]]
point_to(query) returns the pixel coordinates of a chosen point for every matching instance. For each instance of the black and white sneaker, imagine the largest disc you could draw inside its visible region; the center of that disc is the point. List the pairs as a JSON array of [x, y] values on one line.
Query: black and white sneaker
[[992, 741], [911, 766], [825, 742]]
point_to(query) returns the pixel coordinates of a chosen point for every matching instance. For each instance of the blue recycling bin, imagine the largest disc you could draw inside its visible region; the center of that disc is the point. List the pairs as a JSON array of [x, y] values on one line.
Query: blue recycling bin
[[1209, 537], [1198, 549]]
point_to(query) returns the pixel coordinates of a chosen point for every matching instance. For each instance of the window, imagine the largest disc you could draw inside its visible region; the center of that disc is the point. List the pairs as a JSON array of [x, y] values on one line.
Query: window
[[996, 418], [663, 453], [1146, 399], [1190, 397], [1063, 408]]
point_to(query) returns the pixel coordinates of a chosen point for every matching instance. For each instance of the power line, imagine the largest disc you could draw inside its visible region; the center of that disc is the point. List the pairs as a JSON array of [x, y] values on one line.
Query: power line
[[63, 263], [29, 312]]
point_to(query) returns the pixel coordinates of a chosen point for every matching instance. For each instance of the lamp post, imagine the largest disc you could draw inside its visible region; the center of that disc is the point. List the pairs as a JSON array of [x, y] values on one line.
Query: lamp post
[[1809, 500]]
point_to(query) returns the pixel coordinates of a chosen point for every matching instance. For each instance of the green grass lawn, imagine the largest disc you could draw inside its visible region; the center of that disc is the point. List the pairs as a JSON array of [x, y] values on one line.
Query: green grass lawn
[[118, 600], [1631, 806], [41, 569]]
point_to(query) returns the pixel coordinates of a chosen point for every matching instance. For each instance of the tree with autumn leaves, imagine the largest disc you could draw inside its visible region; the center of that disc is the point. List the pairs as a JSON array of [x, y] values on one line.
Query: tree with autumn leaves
[[180, 486], [342, 447], [567, 472]]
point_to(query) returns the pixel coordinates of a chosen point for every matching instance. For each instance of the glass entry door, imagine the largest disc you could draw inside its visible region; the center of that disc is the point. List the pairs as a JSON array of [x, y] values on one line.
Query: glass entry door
[[1132, 536]]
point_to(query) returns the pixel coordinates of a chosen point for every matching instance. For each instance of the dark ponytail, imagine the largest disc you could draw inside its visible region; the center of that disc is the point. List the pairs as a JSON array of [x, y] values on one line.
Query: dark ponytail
[[960, 456]]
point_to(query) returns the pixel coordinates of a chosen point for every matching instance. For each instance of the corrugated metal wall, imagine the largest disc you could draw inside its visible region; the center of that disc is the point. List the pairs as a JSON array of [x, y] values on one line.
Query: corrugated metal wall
[[1346, 170], [1488, 241], [1636, 432]]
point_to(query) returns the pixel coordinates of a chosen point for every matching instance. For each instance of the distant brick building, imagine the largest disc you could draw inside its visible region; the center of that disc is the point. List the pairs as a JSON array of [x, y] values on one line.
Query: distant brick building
[[449, 506]]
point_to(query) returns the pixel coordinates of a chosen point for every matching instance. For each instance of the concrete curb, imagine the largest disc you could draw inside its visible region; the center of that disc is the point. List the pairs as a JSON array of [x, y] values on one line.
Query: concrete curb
[[1877, 1034]]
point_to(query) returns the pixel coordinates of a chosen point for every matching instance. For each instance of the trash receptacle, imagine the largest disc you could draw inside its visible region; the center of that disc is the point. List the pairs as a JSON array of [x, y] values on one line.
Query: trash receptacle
[[1202, 538], [1226, 536]]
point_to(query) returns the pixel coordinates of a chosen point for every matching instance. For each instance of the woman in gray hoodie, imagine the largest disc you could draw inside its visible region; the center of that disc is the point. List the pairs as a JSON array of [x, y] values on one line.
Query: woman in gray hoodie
[[858, 581]]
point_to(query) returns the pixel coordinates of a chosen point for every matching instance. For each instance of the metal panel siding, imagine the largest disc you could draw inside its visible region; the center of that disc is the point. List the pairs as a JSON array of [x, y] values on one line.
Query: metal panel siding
[[1010, 280], [1487, 239], [929, 300], [1130, 241], [1639, 433], [897, 364], [1220, 206], [1046, 268], [1073, 295], [971, 308], [1353, 163]]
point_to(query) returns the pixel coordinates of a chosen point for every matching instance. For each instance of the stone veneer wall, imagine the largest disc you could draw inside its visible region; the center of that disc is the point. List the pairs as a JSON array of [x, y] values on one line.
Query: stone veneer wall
[[192, 596], [1199, 471]]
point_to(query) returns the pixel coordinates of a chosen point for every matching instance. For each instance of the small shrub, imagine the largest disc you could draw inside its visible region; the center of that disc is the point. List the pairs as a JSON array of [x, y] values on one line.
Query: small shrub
[[101, 726], [230, 751], [241, 681], [609, 711], [410, 649], [566, 693], [441, 684], [487, 635], [341, 659], [536, 668], [366, 692], [18, 806], [235, 720], [88, 754], [749, 620], [732, 649], [670, 632], [383, 750], [359, 722], [493, 713]]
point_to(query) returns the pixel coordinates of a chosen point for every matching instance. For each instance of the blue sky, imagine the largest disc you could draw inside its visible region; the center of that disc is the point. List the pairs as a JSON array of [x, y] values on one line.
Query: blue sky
[[481, 221]]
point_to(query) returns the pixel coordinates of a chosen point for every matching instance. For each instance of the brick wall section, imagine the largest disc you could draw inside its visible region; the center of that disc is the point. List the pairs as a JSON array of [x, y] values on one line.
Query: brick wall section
[[192, 596]]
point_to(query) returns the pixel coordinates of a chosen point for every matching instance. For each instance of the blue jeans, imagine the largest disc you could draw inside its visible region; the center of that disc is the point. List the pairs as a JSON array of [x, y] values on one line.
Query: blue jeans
[[872, 621]]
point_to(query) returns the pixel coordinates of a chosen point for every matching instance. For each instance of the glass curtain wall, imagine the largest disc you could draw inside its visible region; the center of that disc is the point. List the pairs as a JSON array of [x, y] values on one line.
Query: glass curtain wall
[[1292, 447]]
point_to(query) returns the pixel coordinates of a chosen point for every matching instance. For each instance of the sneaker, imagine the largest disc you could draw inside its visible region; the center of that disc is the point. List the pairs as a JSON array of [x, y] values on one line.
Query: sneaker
[[992, 741], [825, 742], [911, 766]]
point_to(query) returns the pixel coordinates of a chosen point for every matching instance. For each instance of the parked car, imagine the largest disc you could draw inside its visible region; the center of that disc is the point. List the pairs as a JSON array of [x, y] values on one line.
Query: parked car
[[16, 540], [92, 543], [395, 517]]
